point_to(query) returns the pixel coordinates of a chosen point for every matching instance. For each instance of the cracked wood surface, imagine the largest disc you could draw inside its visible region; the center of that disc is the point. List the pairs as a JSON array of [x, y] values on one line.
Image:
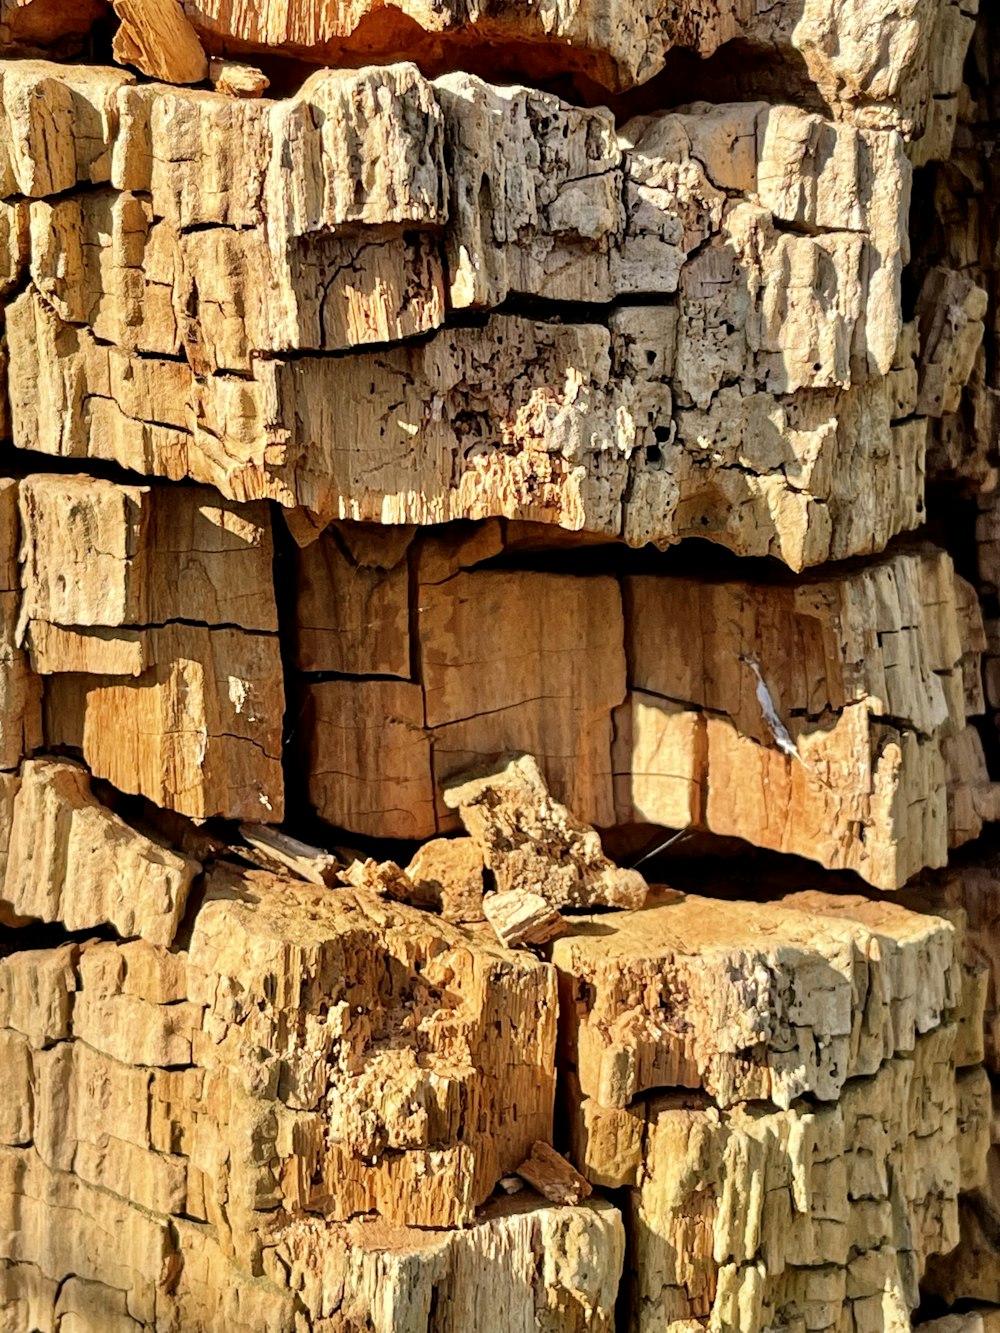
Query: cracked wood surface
[[178, 316], [638, 699]]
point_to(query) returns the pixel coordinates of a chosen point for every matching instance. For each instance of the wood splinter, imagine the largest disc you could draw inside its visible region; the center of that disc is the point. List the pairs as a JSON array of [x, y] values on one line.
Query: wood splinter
[[551, 1175]]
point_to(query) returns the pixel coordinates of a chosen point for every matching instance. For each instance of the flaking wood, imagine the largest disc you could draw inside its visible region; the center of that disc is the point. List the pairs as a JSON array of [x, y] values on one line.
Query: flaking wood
[[173, 308]]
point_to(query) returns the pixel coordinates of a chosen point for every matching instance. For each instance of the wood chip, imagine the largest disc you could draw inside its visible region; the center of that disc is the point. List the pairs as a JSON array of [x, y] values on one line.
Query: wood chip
[[521, 918], [552, 1176]]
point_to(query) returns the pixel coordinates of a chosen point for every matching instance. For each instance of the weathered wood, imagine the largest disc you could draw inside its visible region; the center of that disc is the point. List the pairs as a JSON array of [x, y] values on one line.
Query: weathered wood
[[677, 995], [521, 918], [447, 876], [360, 1102], [192, 721], [158, 40], [552, 1176], [94, 553], [229, 76], [278, 851], [823, 716], [487, 345], [532, 844], [74, 863], [785, 340], [820, 1233]]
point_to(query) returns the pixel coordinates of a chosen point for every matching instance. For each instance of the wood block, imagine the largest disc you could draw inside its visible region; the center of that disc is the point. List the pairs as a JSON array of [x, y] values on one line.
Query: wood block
[[547, 690], [197, 730], [132, 1004], [37, 989], [349, 722], [797, 738], [756, 1218], [373, 1101], [73, 862], [61, 1225], [747, 1001], [60, 123], [158, 40], [98, 554], [352, 608], [575, 1253]]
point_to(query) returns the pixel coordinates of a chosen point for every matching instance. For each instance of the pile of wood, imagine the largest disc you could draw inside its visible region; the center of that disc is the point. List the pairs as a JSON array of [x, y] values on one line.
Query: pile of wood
[[437, 891]]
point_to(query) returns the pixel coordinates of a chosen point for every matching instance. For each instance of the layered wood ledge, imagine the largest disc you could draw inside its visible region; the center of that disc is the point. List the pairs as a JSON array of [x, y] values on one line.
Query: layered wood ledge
[[499, 640]]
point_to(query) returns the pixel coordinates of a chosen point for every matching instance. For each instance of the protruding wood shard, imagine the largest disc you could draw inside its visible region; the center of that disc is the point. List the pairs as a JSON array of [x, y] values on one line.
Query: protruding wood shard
[[157, 39], [74, 863]]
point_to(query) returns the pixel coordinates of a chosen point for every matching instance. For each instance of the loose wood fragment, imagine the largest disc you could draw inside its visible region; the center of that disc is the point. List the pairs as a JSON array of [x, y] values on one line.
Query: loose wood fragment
[[236, 80], [385, 878], [552, 1176], [533, 845], [521, 918], [447, 876], [280, 851], [158, 40]]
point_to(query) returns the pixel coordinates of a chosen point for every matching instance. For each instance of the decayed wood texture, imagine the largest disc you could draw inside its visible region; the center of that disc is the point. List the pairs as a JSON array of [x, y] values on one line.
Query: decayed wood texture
[[748, 1213], [407, 1060], [318, 1096], [641, 700], [73, 862], [899, 69], [775, 237], [758, 1002], [150, 613], [972, 1272], [761, 1219], [881, 75], [750, 1217], [20, 687]]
